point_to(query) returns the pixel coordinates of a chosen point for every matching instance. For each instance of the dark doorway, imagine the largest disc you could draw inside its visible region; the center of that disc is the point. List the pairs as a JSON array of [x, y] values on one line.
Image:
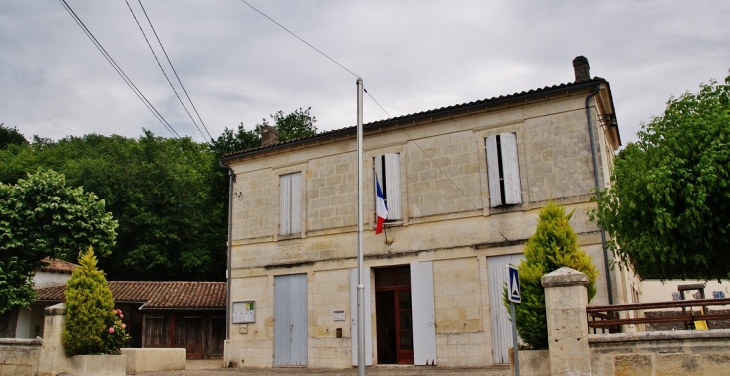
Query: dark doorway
[[394, 315]]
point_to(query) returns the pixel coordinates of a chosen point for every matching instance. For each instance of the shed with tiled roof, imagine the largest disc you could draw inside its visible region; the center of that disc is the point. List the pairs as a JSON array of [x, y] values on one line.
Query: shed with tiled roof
[[166, 314]]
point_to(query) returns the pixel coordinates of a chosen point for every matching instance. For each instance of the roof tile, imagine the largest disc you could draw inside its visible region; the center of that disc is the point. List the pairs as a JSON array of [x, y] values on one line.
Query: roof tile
[[182, 295]]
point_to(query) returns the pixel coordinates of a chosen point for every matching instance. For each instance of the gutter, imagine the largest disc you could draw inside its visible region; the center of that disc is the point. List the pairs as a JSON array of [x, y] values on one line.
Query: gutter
[[231, 179], [609, 290]]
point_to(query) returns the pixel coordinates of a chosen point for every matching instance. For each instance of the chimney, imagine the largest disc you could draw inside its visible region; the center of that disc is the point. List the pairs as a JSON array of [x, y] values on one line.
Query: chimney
[[582, 69], [269, 135]]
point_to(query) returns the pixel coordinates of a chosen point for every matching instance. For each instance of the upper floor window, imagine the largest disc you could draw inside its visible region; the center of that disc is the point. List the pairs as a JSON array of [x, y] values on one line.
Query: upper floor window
[[290, 204], [387, 171], [503, 170]]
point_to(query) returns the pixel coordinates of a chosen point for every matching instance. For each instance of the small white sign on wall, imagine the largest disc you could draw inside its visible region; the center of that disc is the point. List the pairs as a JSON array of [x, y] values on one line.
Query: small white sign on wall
[[244, 312], [339, 315]]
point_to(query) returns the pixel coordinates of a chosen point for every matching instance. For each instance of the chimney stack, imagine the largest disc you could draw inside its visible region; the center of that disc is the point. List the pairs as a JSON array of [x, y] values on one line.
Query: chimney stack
[[582, 69], [269, 135]]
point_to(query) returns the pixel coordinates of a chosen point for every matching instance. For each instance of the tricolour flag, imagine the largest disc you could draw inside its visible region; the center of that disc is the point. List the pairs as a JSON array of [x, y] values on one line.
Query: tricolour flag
[[380, 208]]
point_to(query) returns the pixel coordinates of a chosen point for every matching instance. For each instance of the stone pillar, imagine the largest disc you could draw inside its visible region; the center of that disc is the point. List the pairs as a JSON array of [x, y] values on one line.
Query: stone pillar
[[566, 298], [53, 356]]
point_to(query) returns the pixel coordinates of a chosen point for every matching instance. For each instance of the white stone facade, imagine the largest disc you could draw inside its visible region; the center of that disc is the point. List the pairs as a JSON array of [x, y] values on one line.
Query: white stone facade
[[447, 218]]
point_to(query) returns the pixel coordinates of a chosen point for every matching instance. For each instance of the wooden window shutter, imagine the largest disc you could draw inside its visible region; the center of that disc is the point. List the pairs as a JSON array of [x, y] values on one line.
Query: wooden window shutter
[[296, 203], [510, 169], [495, 192], [503, 170], [393, 186], [285, 204], [290, 204]]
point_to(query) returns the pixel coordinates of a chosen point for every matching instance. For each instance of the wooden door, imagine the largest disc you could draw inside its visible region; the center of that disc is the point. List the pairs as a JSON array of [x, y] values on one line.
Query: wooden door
[[394, 315]]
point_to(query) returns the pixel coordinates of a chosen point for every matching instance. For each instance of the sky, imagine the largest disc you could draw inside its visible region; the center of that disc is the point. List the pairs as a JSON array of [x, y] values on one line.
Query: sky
[[237, 66]]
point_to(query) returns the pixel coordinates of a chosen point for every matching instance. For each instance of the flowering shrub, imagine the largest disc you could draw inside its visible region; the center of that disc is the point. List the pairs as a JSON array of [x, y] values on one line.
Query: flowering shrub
[[115, 336]]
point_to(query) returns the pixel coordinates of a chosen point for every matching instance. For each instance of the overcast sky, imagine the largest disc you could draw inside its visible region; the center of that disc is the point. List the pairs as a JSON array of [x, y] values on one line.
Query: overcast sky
[[238, 66]]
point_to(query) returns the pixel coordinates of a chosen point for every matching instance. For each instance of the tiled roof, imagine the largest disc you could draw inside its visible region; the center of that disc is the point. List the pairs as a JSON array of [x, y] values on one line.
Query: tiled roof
[[157, 295], [443, 110], [57, 266]]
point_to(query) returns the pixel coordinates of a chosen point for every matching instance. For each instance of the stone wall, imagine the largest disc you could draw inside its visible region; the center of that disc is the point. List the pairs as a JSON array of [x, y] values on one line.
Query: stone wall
[[679, 352], [572, 351], [19, 356]]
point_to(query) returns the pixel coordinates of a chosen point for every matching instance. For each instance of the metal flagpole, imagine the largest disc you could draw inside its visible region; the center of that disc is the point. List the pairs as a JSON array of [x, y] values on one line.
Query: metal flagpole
[[361, 279]]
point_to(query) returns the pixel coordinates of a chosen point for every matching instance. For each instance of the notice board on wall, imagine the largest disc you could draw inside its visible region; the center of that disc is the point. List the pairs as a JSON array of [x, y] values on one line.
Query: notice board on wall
[[244, 312]]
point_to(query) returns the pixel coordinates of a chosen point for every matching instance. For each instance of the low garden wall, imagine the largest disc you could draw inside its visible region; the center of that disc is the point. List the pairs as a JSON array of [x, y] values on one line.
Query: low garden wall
[[572, 351], [148, 360], [19, 356], [46, 357]]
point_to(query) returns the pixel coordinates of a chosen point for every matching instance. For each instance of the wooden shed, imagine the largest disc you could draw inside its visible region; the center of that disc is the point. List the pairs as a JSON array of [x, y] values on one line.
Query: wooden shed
[[188, 315]]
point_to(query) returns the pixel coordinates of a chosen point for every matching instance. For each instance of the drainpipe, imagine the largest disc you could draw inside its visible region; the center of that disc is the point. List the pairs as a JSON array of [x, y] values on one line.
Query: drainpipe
[[598, 194], [231, 179]]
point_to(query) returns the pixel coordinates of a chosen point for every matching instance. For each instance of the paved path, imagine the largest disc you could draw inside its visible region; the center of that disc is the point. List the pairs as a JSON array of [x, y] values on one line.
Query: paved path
[[208, 368]]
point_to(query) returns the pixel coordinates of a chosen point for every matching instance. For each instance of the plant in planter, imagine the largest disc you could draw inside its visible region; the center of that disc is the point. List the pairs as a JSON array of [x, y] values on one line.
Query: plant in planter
[[552, 246], [93, 326]]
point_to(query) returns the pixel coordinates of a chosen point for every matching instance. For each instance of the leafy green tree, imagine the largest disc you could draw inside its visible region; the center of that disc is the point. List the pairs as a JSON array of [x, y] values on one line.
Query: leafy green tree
[[229, 142], [299, 123], [41, 216], [668, 206], [10, 136], [552, 246], [91, 321]]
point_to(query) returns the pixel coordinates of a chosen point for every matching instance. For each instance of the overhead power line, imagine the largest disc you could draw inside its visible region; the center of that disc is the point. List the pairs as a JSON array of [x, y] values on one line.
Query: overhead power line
[[119, 70], [174, 71], [316, 49], [163, 69]]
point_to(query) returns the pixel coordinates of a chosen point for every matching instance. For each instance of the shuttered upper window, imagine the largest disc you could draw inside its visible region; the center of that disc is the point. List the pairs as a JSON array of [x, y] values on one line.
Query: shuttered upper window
[[503, 170], [387, 170], [290, 204]]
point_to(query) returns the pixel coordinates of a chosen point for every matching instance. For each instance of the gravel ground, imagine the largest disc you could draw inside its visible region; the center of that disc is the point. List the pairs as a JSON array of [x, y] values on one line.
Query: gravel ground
[[210, 368]]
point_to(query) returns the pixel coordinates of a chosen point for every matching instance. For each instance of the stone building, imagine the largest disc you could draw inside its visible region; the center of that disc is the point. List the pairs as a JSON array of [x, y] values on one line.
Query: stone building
[[463, 185]]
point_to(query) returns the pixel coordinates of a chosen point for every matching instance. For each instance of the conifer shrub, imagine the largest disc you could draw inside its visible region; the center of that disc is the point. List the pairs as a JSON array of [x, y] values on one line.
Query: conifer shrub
[[552, 246], [93, 326]]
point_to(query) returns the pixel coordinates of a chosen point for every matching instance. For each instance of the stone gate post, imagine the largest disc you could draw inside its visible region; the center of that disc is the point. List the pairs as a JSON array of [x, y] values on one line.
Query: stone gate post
[[566, 298], [53, 357]]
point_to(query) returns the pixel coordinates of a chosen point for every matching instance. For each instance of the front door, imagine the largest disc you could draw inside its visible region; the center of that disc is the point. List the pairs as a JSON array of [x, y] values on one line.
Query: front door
[[394, 315]]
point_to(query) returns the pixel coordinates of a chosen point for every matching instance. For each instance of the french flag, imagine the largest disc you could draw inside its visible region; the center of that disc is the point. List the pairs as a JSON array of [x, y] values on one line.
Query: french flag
[[380, 208]]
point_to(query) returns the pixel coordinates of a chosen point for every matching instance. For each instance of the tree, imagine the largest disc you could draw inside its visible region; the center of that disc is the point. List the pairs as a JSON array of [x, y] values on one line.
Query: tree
[[552, 246], [92, 326], [10, 136], [668, 205], [41, 216], [299, 123]]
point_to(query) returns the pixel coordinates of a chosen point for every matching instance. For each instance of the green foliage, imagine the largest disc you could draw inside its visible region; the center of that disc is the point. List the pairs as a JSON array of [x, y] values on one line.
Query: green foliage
[[299, 123], [10, 136], [668, 206], [115, 335], [41, 216], [552, 246], [90, 312], [229, 142], [169, 196]]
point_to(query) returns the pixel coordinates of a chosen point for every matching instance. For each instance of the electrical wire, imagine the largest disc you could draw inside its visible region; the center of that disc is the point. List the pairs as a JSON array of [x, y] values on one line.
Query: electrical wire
[[174, 71], [163, 70], [316, 49], [119, 70]]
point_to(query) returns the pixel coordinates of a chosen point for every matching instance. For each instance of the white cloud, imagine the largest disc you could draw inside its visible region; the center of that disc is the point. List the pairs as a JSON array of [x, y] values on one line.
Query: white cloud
[[414, 56]]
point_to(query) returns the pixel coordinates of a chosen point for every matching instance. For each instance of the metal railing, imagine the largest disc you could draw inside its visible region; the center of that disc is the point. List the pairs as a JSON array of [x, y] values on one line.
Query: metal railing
[[608, 317]]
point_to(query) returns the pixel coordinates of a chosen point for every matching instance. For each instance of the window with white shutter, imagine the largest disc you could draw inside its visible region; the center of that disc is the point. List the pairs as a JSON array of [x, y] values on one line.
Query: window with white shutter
[[290, 204], [387, 170], [503, 170]]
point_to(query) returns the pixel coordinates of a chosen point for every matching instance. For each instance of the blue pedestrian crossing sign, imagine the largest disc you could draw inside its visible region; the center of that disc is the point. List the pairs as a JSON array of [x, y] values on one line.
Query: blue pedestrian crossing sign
[[513, 287]]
